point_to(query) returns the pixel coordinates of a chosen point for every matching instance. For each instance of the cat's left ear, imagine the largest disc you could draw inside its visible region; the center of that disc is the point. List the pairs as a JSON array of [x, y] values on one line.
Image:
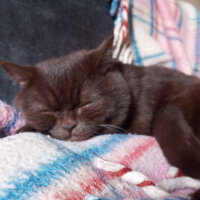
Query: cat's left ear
[[21, 74], [103, 55]]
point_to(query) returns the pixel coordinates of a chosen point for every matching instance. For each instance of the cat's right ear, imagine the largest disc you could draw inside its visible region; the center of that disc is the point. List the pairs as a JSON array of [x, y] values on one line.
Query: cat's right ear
[[103, 55], [21, 74]]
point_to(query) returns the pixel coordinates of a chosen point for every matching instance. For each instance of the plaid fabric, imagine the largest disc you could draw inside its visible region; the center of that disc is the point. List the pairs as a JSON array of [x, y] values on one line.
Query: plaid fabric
[[10, 120], [37, 167], [157, 32]]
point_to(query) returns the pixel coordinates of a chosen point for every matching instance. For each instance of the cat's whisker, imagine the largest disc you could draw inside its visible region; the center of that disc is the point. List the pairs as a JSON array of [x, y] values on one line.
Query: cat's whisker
[[117, 127], [112, 128]]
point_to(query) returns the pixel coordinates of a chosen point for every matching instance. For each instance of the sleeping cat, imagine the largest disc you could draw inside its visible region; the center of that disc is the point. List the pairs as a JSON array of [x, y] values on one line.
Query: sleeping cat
[[87, 93]]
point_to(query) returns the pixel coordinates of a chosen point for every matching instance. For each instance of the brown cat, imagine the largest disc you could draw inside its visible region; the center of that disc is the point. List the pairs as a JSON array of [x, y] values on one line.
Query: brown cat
[[87, 92]]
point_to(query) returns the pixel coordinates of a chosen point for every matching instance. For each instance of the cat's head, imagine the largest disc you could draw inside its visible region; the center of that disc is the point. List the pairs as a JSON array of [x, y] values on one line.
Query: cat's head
[[73, 97]]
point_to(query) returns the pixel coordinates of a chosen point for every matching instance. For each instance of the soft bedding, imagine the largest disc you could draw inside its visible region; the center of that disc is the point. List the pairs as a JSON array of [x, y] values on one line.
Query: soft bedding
[[118, 166]]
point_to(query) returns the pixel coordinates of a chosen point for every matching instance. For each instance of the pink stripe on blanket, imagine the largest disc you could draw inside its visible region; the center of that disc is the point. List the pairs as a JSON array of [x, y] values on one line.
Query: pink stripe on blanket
[[6, 114], [190, 43], [10, 120], [175, 10], [176, 47], [156, 21], [94, 184], [88, 186], [138, 152]]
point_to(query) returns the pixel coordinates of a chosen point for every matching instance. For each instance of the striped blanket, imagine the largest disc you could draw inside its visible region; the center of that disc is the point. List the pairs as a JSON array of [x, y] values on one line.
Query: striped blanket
[[37, 167], [157, 32]]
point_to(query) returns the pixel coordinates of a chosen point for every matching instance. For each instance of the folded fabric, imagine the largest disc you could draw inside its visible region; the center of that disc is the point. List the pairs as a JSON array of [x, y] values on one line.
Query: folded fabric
[[10, 120], [37, 167], [157, 32]]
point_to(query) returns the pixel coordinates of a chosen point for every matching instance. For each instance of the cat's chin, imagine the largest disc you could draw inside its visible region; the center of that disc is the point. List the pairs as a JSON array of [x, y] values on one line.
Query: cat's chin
[[78, 139], [71, 137]]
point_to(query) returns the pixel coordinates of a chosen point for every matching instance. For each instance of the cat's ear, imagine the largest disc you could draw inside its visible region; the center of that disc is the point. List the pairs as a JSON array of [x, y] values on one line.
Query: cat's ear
[[21, 74], [103, 54]]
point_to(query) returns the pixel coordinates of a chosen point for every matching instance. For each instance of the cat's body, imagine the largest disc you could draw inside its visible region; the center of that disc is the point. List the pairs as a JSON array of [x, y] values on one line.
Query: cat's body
[[153, 88], [166, 105], [86, 93]]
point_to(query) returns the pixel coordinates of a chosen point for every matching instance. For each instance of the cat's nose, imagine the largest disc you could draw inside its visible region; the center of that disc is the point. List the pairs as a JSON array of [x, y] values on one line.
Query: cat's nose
[[69, 128]]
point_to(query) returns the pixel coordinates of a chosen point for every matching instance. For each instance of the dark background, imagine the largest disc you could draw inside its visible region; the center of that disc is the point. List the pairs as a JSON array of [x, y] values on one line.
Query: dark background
[[35, 30]]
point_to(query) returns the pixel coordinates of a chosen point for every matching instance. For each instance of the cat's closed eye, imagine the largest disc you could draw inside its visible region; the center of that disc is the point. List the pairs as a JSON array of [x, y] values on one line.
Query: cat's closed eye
[[54, 112], [84, 104], [84, 107], [45, 111]]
